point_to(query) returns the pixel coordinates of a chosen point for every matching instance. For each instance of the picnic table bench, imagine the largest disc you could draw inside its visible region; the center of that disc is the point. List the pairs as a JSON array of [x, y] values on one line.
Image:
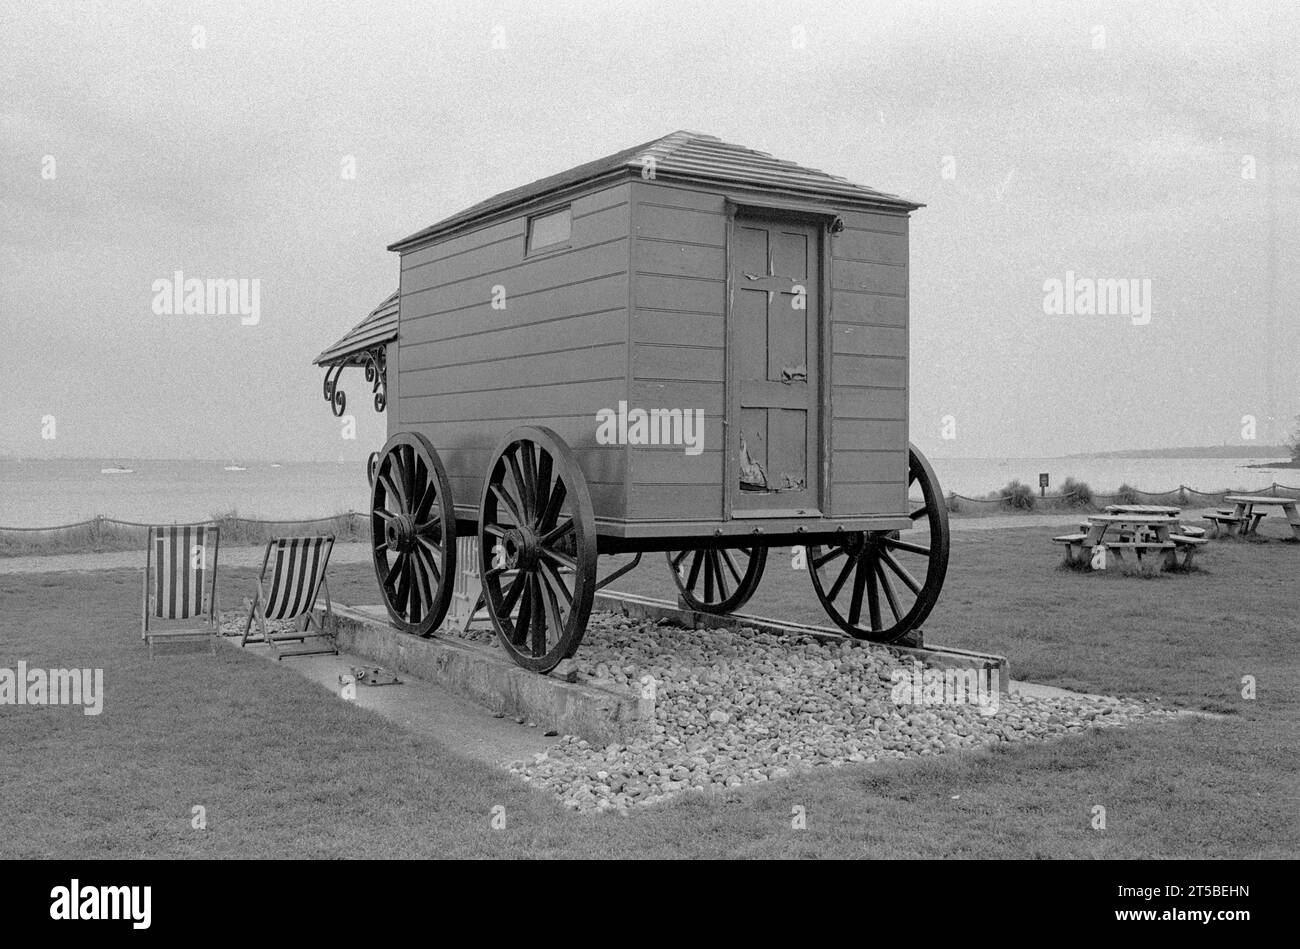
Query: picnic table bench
[[1243, 518], [1151, 510], [1150, 535], [1156, 510]]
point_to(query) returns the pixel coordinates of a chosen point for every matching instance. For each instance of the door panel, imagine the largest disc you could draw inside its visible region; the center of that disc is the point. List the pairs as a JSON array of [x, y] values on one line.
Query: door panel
[[774, 329]]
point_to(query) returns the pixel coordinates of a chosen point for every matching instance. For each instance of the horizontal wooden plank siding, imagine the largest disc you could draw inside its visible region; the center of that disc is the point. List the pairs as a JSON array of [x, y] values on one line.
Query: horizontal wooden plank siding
[[869, 359], [884, 371], [490, 338], [678, 333]]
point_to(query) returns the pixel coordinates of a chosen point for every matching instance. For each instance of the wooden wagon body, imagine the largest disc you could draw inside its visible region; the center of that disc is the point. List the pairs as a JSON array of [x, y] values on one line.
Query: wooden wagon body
[[674, 292], [713, 341]]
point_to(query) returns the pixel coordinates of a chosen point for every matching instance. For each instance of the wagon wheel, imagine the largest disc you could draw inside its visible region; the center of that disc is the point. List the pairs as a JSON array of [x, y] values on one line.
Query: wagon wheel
[[413, 533], [854, 573], [715, 579], [537, 548]]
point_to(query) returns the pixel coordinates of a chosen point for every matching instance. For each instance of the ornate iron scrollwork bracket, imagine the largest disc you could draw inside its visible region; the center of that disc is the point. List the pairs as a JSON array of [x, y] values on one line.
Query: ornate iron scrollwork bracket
[[376, 365], [333, 394], [377, 375]]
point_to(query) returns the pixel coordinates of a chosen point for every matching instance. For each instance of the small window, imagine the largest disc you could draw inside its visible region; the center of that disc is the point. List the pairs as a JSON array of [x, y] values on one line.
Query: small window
[[548, 230]]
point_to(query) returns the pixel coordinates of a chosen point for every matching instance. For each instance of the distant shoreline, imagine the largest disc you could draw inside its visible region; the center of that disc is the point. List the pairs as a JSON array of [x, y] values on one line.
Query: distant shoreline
[[1281, 452]]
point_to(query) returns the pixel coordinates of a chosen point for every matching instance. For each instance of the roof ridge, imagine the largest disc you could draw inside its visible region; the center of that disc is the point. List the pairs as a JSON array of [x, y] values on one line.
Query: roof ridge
[[682, 153]]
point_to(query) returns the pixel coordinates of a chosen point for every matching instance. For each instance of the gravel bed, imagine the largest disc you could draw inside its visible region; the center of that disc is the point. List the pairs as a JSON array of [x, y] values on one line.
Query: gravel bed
[[738, 707]]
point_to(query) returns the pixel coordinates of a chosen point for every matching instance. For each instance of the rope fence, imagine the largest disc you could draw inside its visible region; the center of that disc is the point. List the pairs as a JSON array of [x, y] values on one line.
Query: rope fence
[[1183, 493], [100, 520]]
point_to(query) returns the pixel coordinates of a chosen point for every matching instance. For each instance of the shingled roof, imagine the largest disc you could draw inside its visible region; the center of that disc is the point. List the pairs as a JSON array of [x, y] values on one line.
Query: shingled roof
[[379, 326], [683, 155]]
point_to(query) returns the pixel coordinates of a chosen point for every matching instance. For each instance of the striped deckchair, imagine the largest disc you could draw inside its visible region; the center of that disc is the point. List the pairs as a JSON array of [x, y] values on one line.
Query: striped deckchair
[[296, 581], [178, 561]]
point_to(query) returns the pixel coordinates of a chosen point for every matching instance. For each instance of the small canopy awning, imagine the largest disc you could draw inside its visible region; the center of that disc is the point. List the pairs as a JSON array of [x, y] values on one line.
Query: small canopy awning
[[363, 345]]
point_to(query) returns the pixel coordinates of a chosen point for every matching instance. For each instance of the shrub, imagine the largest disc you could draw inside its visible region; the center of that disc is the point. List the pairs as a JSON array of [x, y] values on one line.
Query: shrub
[[1076, 493], [1017, 495], [1127, 494]]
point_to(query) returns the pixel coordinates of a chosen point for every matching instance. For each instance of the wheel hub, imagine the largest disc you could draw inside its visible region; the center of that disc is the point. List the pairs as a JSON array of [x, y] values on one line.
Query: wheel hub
[[520, 547], [399, 533]]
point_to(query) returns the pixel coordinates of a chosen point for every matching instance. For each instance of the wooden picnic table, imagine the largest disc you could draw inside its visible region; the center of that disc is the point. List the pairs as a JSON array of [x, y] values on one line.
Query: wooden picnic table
[[1155, 535], [1156, 510], [1249, 518]]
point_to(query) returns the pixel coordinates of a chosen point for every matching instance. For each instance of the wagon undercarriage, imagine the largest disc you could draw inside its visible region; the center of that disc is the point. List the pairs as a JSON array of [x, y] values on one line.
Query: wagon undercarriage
[[539, 546]]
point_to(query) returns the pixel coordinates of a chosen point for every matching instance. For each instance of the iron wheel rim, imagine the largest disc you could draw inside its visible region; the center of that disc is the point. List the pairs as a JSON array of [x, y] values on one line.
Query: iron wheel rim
[[413, 533], [868, 583], [716, 579], [536, 527]]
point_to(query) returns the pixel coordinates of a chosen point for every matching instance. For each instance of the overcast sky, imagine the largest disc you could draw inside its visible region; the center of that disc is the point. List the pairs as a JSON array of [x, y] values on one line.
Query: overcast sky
[[1111, 140]]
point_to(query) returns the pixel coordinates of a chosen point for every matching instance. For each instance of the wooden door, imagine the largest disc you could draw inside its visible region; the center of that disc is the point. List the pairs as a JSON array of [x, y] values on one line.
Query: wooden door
[[774, 339]]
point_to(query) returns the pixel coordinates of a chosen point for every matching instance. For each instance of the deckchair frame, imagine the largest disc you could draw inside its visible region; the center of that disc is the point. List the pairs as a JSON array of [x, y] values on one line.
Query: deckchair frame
[[147, 599], [305, 619]]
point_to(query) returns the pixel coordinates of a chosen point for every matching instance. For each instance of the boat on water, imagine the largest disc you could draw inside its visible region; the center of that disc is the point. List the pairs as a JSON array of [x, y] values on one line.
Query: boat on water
[[116, 469], [273, 465], [234, 467]]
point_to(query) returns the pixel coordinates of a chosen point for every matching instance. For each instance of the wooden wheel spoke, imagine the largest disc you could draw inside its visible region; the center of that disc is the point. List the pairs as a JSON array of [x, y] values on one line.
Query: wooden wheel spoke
[[695, 570], [556, 533], [393, 489], [521, 494], [859, 585], [553, 505], [544, 470], [873, 593], [902, 572], [509, 503], [564, 560], [525, 620], [839, 581], [919, 513], [895, 543], [425, 504], [826, 558], [395, 571], [731, 566], [418, 487], [512, 595], [556, 583], [422, 587], [407, 474], [708, 575], [382, 514], [717, 575], [404, 585], [539, 615], [551, 606], [890, 597], [528, 463], [430, 548], [496, 530]]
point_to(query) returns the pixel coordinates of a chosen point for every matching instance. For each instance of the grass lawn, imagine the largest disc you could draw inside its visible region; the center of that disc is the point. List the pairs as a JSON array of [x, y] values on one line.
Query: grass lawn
[[283, 768]]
